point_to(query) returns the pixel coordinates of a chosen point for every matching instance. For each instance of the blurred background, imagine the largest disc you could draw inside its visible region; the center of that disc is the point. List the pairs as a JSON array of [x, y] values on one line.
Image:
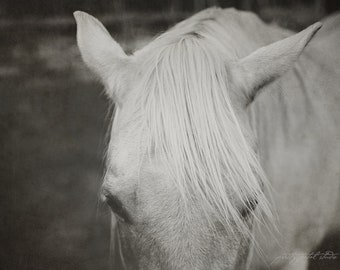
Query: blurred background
[[54, 118]]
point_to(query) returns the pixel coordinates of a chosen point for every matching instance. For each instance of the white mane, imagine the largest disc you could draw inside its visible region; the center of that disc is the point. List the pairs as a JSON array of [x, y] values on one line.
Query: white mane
[[193, 128]]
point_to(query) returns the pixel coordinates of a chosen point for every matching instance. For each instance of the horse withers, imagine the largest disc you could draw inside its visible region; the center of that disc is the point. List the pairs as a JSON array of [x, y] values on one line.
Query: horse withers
[[224, 150]]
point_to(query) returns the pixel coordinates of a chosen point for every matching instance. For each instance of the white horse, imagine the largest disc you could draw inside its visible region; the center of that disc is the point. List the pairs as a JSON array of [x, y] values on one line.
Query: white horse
[[220, 132]]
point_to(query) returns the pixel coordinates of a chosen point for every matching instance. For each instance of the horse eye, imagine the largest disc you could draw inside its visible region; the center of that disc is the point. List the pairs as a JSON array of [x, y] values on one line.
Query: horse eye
[[248, 208], [117, 208]]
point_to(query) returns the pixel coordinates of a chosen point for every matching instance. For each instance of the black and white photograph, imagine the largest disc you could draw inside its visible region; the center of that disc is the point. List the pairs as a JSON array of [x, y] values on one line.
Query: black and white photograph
[[169, 135]]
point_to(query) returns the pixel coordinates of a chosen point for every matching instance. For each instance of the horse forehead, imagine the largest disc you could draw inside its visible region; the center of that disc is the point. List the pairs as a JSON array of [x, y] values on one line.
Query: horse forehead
[[128, 142], [122, 154]]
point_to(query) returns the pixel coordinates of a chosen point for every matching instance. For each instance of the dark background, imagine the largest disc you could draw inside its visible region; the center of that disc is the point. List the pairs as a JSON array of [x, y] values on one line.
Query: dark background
[[54, 118]]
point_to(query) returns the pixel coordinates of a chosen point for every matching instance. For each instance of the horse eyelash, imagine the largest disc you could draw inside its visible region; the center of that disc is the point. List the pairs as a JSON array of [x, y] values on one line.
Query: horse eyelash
[[118, 208]]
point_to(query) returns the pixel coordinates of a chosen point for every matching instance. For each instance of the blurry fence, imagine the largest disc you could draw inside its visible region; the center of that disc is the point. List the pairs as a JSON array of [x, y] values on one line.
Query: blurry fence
[[19, 8]]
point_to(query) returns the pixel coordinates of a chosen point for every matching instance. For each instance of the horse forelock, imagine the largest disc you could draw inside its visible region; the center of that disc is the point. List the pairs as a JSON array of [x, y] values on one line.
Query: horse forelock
[[192, 125]]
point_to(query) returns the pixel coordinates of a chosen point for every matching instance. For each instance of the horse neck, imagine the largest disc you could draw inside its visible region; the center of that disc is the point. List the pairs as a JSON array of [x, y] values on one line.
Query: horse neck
[[295, 108]]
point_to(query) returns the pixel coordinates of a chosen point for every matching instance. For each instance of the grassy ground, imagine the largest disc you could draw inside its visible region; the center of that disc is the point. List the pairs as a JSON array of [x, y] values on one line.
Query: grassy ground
[[53, 120]]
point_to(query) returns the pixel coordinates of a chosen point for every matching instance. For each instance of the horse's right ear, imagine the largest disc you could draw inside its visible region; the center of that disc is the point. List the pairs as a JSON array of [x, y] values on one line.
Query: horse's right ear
[[101, 53]]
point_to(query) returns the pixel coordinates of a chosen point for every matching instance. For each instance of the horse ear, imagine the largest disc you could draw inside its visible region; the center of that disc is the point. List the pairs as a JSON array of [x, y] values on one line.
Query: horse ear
[[268, 63], [101, 53]]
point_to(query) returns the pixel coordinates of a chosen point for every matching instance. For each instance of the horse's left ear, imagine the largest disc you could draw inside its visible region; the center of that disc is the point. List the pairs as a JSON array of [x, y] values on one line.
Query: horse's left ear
[[101, 53], [267, 63]]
